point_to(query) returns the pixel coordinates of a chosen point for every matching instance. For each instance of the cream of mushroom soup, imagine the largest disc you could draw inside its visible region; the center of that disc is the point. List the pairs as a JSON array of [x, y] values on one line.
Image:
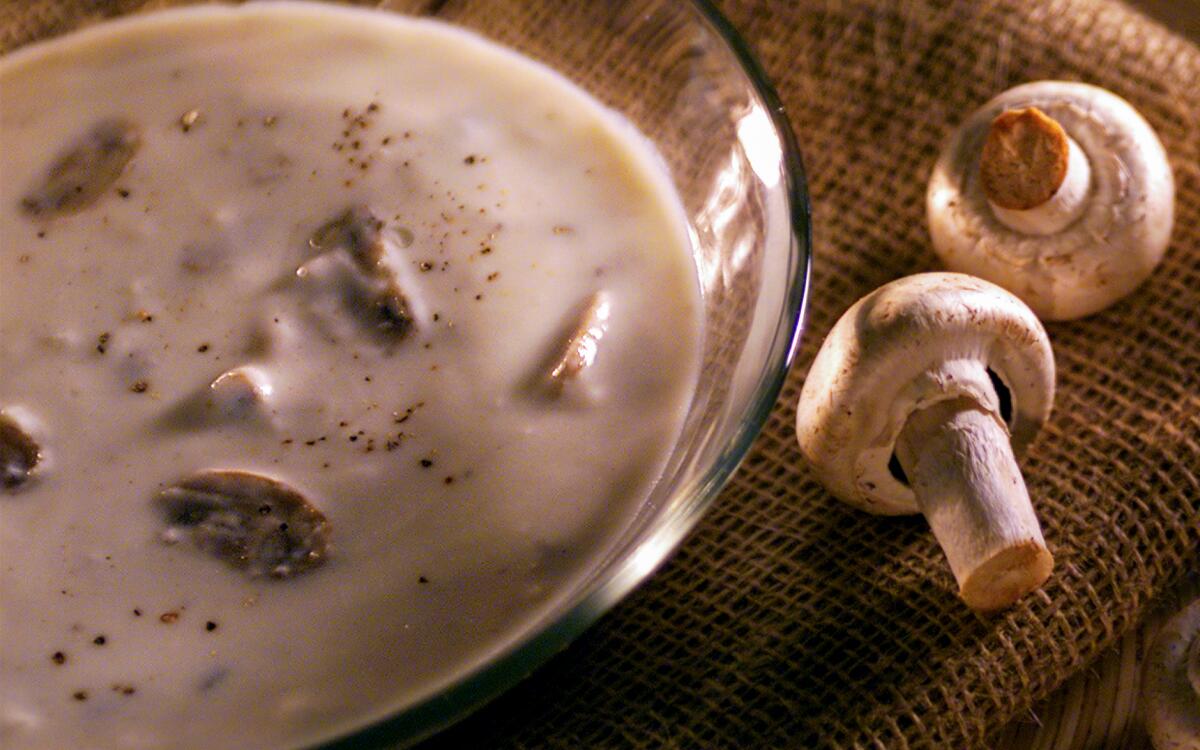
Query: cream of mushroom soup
[[335, 348]]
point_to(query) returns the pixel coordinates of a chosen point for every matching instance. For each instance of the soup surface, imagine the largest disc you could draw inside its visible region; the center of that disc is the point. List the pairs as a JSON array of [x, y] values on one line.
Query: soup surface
[[335, 347]]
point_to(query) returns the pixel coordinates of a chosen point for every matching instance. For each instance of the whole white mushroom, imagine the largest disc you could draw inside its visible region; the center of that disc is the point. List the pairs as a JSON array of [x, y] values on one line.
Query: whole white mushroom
[[1059, 192], [1171, 683], [915, 404]]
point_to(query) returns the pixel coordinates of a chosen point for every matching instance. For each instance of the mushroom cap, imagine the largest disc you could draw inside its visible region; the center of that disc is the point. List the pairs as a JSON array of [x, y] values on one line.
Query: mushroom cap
[[1171, 685], [1103, 255], [878, 365]]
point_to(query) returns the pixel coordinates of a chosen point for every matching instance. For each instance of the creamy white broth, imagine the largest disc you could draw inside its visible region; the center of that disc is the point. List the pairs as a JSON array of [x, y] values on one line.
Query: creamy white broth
[[464, 494]]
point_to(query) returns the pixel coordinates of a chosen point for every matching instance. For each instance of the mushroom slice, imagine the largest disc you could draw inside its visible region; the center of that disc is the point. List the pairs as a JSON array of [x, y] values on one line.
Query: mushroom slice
[[240, 392], [239, 396], [1059, 192], [254, 523], [361, 236], [917, 403], [582, 344], [358, 232], [1171, 684], [19, 455], [84, 173], [392, 315]]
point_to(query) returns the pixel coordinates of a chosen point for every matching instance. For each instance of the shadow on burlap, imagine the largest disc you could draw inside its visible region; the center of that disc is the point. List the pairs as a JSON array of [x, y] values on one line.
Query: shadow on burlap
[[787, 619]]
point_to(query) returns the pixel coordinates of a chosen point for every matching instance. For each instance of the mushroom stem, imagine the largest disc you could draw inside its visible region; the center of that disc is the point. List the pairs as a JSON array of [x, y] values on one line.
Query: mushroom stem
[[960, 465], [1036, 177]]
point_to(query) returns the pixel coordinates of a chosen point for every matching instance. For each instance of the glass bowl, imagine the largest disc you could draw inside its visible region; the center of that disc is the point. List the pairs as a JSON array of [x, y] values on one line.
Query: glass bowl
[[681, 74]]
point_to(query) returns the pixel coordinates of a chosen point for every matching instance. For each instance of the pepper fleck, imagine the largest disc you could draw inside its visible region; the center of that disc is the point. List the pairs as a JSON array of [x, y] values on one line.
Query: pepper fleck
[[202, 348], [59, 658], [137, 612], [469, 160], [102, 342], [99, 640], [139, 386], [80, 695], [426, 463], [422, 579], [168, 618], [210, 626]]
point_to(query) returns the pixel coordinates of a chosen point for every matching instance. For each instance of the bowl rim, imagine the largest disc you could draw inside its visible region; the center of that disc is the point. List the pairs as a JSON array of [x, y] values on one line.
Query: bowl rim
[[479, 686]]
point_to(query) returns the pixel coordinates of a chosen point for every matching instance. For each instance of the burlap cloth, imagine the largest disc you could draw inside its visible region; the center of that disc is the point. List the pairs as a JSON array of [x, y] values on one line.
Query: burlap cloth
[[787, 619]]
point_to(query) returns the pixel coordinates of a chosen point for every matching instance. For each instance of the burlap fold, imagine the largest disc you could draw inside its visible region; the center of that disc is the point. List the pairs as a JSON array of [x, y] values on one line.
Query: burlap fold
[[789, 620]]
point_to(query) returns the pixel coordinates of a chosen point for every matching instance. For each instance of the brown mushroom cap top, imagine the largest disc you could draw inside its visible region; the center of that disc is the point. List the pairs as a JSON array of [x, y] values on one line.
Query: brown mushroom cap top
[[873, 371]]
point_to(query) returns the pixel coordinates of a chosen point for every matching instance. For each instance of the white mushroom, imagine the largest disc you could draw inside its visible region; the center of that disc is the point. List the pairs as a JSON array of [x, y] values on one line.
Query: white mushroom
[[916, 403], [1171, 683], [1059, 192]]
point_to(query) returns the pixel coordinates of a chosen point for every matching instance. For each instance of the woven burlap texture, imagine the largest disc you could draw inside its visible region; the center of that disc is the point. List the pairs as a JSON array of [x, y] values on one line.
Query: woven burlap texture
[[789, 620]]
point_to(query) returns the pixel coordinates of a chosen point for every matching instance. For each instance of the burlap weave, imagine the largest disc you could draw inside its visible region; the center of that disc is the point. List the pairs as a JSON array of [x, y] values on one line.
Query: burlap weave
[[789, 620]]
